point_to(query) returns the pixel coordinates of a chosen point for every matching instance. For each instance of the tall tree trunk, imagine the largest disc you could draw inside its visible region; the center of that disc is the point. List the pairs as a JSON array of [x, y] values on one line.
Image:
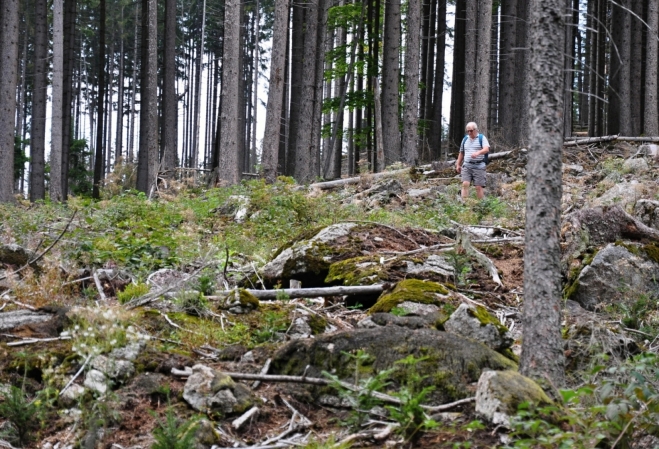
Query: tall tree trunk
[[67, 98], [495, 45], [276, 92], [57, 94], [542, 346], [438, 85], [229, 162], [508, 72], [472, 59], [131, 132], [169, 98], [321, 46], [568, 75], [100, 103], [636, 69], [147, 165], [255, 81], [297, 61], [457, 119], [651, 113], [482, 75], [194, 156], [21, 115], [410, 152], [8, 78], [305, 151], [120, 93], [391, 83], [520, 136], [38, 134], [108, 108]]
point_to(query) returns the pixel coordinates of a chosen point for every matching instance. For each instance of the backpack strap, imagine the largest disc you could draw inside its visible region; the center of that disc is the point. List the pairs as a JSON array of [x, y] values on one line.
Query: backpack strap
[[480, 140], [462, 145]]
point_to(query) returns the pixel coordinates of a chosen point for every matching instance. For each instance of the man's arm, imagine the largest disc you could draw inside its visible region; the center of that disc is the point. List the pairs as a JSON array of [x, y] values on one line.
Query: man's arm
[[480, 153], [458, 163]]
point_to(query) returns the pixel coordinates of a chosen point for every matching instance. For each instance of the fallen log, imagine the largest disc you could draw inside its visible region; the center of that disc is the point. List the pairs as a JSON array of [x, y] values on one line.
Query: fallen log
[[587, 140], [304, 292]]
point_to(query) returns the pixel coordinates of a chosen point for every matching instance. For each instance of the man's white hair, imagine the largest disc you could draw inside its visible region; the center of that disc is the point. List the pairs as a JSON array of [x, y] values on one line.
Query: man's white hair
[[473, 125]]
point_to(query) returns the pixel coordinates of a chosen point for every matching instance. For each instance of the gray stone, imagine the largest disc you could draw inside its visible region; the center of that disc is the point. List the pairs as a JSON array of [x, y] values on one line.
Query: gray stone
[[464, 321], [210, 390], [635, 165], [623, 194], [115, 369], [500, 392], [294, 260], [300, 328], [452, 362], [11, 320], [96, 381], [573, 169], [128, 352], [420, 193], [15, 255], [433, 264], [615, 275], [647, 211], [649, 150], [417, 308], [71, 395]]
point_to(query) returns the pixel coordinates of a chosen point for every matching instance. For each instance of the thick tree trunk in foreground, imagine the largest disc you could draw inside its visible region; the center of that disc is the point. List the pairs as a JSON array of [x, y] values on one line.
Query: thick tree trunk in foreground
[[8, 80], [542, 346]]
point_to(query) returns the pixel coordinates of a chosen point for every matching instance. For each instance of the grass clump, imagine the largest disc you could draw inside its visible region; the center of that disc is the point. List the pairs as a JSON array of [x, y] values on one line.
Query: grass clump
[[132, 291], [25, 416], [173, 433]]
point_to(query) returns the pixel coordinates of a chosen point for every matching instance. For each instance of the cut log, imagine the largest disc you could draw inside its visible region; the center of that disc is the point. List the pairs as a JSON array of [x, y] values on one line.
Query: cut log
[[587, 140], [305, 292]]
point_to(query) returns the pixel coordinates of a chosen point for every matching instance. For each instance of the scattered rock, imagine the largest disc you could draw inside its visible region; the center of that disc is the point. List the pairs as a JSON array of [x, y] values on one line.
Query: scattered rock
[[208, 390], [477, 323], [615, 275], [500, 392], [115, 369], [71, 395], [647, 211], [635, 165], [96, 381], [451, 361]]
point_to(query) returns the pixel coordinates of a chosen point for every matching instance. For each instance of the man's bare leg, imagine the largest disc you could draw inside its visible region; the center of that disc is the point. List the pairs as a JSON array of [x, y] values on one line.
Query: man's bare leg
[[465, 190], [480, 192]]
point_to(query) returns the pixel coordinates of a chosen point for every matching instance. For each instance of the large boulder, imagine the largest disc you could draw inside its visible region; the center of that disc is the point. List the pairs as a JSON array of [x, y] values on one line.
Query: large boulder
[[647, 211], [449, 362], [477, 323], [617, 274], [500, 393], [625, 194], [208, 390]]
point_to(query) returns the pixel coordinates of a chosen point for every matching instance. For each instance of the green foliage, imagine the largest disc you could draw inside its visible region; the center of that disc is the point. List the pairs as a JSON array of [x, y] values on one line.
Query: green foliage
[[23, 415], [80, 178], [611, 406], [172, 433], [362, 400], [20, 158], [461, 266], [192, 303], [410, 416], [274, 321], [132, 291], [398, 311], [206, 284]]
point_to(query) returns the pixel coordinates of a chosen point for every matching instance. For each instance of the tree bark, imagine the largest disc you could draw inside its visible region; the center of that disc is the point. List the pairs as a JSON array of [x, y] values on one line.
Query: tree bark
[[57, 97], [194, 156], [229, 162], [542, 346], [390, 83], [438, 85], [100, 104], [147, 165], [306, 154], [169, 98], [457, 119], [651, 113], [508, 72], [8, 80], [520, 136], [410, 153], [38, 133], [270, 147], [120, 94], [130, 151], [482, 61], [70, 7]]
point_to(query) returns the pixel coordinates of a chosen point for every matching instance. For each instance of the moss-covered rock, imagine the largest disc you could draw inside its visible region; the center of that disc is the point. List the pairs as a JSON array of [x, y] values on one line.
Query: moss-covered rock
[[414, 290], [477, 323], [499, 393], [450, 362]]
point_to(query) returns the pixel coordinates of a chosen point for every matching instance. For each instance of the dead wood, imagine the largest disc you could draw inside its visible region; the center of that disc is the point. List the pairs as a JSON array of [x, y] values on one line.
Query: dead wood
[[304, 292], [607, 225], [587, 140]]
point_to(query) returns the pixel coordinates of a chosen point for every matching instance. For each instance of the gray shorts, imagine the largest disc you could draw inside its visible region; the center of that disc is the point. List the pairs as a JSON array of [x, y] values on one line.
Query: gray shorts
[[474, 173]]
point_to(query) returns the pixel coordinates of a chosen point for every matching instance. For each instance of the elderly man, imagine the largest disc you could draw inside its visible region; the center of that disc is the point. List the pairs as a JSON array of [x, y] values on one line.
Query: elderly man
[[471, 163]]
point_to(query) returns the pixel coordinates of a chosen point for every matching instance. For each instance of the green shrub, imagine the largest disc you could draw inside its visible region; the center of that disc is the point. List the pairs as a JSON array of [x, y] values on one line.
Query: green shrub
[[132, 291]]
